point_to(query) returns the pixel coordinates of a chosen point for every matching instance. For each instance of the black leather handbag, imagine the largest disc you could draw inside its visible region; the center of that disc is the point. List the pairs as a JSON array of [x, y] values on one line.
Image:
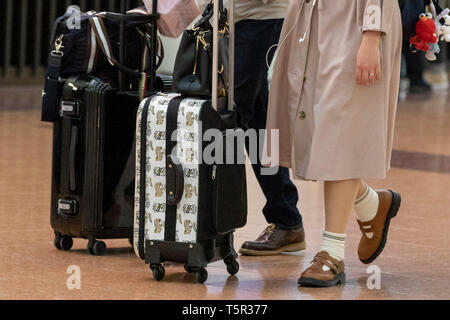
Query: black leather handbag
[[192, 74]]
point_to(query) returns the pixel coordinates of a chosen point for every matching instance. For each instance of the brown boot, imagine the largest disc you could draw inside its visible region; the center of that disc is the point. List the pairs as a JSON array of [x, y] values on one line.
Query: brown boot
[[375, 231], [274, 241], [324, 271]]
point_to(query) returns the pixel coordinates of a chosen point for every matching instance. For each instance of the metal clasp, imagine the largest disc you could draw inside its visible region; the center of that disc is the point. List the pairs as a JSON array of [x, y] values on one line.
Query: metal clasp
[[58, 46]]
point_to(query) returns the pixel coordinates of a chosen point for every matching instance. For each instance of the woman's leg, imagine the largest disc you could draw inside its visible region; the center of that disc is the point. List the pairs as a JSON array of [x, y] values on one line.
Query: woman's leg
[[374, 211], [327, 268], [339, 200]]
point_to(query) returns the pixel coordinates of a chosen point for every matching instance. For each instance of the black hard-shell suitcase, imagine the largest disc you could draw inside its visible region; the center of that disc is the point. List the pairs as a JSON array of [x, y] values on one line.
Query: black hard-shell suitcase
[[93, 164], [94, 155], [187, 208]]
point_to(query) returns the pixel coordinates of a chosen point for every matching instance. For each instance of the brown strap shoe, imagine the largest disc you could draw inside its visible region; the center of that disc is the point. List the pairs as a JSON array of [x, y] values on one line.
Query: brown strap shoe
[[374, 232], [324, 271], [274, 240]]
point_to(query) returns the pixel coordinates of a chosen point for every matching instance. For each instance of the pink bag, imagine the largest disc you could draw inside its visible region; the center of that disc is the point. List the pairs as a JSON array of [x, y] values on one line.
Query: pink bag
[[176, 15]]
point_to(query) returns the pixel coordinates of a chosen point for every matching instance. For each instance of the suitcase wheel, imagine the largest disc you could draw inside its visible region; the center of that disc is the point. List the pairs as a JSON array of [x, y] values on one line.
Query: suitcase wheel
[[96, 248], [57, 240], [131, 242], [63, 242], [188, 269], [201, 275], [232, 266], [158, 271]]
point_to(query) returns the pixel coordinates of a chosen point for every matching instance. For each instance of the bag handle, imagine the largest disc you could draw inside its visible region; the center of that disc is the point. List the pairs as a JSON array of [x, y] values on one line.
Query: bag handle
[[208, 14], [132, 17], [101, 35], [103, 40], [175, 180]]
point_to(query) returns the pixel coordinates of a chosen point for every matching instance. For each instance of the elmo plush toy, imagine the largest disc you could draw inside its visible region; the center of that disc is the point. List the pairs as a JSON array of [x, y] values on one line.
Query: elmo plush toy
[[425, 33]]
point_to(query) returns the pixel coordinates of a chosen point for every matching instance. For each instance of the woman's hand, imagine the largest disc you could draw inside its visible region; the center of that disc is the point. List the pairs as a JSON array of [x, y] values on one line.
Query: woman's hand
[[368, 65]]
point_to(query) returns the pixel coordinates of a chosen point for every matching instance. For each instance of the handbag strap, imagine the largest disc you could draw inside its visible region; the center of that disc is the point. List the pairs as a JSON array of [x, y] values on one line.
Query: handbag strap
[[204, 22], [105, 45], [137, 17]]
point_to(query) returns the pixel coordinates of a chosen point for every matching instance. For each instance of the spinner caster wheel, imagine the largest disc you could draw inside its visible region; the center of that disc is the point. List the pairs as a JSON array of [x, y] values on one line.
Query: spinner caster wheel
[[201, 275], [97, 248], [57, 240], [188, 269], [130, 241], [65, 243], [232, 266], [158, 271]]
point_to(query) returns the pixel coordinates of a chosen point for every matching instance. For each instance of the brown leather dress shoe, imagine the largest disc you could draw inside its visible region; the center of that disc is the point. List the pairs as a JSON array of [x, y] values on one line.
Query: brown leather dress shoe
[[375, 231], [274, 241], [324, 271]]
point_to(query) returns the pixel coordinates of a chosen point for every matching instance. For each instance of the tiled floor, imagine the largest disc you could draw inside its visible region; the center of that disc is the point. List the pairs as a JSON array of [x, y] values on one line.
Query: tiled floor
[[415, 263]]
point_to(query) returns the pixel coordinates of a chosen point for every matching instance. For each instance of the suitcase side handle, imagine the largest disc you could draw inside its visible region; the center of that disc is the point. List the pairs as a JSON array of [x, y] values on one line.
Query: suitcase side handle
[[174, 180], [72, 158]]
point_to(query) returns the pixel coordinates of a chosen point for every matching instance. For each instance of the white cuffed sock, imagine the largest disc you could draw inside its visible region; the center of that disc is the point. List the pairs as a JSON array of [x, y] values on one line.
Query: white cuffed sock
[[334, 244], [366, 206]]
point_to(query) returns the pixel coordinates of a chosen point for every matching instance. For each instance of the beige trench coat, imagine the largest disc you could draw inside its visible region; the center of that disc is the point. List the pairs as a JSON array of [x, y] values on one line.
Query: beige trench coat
[[330, 128]]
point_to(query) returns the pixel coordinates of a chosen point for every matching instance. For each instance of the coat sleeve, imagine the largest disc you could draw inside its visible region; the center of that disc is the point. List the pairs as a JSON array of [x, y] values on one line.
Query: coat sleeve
[[376, 15]]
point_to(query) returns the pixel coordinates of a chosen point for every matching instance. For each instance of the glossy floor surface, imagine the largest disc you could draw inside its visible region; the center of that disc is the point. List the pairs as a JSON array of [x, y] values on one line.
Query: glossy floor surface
[[414, 265]]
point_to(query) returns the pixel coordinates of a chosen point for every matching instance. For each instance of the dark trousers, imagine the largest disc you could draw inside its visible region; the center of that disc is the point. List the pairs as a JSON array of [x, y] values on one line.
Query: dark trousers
[[415, 64], [253, 40]]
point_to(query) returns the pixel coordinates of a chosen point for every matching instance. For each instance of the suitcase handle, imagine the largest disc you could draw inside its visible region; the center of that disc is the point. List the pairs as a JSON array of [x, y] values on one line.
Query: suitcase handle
[[175, 180], [215, 63], [72, 158]]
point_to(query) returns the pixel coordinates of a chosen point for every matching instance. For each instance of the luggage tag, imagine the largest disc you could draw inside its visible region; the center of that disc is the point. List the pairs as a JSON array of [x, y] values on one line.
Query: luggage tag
[[142, 89]]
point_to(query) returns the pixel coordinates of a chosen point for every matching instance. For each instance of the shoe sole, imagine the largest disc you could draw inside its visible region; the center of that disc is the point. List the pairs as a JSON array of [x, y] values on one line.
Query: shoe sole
[[311, 282], [289, 248], [395, 206]]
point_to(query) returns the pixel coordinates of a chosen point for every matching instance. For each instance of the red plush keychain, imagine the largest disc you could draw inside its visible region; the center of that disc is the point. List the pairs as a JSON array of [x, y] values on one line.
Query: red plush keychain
[[425, 33]]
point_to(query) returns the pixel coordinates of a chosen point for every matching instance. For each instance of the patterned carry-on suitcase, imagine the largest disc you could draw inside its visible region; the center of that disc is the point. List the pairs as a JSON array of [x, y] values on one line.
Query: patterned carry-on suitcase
[[93, 164], [186, 206], [186, 210]]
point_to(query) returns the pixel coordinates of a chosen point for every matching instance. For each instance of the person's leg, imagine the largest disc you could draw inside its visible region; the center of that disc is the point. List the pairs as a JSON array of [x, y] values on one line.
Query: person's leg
[[339, 199], [415, 66], [280, 192], [253, 39], [328, 268], [374, 211]]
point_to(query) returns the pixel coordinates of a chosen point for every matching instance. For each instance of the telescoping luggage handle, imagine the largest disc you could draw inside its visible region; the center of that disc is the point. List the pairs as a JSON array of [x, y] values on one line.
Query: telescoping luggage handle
[[215, 64]]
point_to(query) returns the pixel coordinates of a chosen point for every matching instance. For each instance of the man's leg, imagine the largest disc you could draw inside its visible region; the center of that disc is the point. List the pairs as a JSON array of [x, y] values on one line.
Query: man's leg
[[415, 66], [280, 192], [253, 39]]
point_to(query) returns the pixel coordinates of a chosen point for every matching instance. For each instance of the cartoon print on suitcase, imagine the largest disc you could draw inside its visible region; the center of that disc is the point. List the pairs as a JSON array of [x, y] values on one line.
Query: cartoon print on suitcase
[[187, 151]]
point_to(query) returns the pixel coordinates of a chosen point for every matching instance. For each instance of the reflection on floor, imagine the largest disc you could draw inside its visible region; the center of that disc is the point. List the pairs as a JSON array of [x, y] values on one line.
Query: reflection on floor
[[415, 263]]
